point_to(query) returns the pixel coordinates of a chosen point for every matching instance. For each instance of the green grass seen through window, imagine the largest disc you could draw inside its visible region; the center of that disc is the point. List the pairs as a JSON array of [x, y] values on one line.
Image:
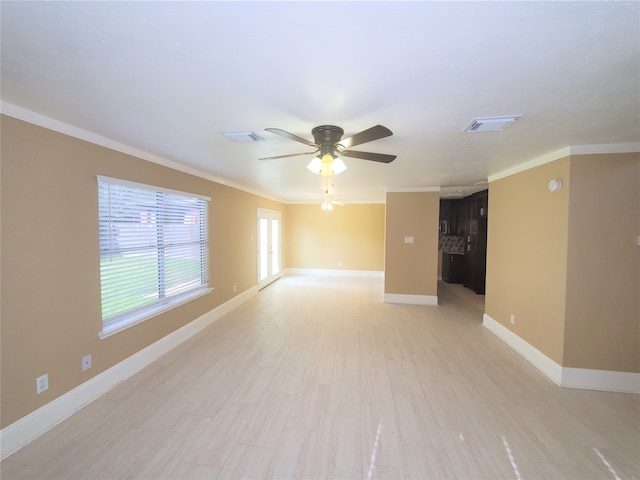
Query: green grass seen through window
[[121, 294]]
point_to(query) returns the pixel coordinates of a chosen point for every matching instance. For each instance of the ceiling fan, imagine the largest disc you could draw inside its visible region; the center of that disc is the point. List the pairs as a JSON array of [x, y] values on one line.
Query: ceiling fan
[[330, 146], [328, 203], [329, 200]]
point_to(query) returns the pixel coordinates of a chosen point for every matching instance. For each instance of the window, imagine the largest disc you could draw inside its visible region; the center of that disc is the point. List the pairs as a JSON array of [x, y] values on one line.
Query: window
[[153, 250]]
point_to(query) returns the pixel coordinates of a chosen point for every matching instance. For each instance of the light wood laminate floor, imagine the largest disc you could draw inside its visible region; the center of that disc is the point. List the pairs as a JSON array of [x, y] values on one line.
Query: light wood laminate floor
[[315, 377]]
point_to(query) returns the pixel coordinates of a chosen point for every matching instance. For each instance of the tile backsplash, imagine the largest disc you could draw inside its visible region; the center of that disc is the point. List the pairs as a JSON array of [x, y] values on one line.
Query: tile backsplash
[[451, 243]]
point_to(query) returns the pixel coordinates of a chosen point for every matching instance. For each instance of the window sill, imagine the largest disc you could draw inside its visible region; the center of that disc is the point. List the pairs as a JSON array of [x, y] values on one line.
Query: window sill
[[136, 318]]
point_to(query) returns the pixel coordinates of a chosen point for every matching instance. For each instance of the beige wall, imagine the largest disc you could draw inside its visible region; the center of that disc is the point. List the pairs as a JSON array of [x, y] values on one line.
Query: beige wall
[[349, 237], [412, 268], [51, 311], [566, 264], [527, 255], [602, 324]]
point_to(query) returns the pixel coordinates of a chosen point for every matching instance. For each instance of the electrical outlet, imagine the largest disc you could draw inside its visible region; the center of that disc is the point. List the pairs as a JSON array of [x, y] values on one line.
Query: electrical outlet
[[234, 287], [339, 264], [86, 362], [513, 319], [42, 383]]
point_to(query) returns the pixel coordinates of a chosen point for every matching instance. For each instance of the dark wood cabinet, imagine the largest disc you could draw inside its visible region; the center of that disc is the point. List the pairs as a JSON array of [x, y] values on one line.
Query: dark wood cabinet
[[445, 207], [475, 255], [479, 204], [475, 237], [452, 217], [452, 267], [484, 204], [458, 216]]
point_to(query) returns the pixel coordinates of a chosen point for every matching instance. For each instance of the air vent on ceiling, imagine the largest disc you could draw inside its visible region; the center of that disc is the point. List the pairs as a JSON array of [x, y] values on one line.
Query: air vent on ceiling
[[243, 136], [490, 124]]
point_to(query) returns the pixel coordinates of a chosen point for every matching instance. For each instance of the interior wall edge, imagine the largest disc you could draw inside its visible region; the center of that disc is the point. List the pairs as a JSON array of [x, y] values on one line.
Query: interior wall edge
[[23, 431]]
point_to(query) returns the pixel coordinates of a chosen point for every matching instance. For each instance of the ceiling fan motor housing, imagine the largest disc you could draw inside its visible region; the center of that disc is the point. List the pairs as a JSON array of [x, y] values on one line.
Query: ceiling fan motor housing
[[327, 134]]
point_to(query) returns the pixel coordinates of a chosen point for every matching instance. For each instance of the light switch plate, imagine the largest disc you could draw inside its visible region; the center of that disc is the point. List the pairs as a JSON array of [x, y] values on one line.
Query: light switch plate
[[408, 239]]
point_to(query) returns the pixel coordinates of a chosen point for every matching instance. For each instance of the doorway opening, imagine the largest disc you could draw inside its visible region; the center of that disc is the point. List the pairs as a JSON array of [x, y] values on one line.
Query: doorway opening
[[269, 247]]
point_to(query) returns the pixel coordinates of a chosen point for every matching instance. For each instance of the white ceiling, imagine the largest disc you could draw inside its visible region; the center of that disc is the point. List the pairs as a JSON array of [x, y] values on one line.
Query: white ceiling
[[166, 78]]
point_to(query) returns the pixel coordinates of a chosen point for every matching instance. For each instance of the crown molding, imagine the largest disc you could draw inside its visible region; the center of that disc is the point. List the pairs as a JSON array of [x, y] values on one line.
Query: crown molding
[[49, 123], [604, 148], [536, 162]]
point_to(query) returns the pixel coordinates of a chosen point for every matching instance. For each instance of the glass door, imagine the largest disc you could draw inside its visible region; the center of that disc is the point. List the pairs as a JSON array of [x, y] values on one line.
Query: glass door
[[269, 248]]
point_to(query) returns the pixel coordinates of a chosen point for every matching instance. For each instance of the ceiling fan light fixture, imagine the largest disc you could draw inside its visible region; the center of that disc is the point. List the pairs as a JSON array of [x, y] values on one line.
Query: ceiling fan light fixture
[[315, 165], [338, 166], [327, 165]]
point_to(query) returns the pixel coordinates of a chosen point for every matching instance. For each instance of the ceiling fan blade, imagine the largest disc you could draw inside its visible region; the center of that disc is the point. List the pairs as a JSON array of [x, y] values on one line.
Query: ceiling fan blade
[[368, 135], [374, 157], [288, 155], [291, 136]]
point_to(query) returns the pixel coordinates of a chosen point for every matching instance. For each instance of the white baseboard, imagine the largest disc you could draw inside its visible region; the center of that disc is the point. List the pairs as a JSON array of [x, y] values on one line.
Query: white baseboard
[[28, 428], [539, 360], [565, 376], [606, 380], [333, 273], [410, 299]]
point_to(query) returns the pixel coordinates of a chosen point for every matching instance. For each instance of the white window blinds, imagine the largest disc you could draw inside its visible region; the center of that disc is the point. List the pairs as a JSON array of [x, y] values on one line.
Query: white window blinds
[[153, 247]]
